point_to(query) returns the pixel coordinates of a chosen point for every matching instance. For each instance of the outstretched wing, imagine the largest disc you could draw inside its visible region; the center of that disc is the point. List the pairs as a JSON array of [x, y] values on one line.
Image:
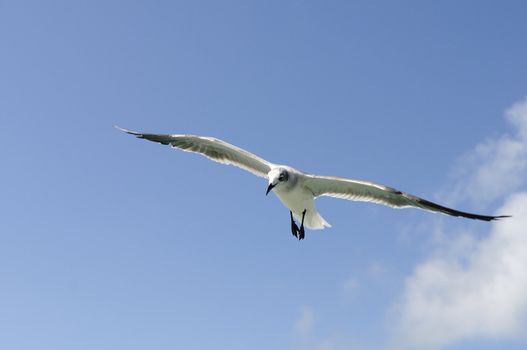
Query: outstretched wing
[[217, 150], [366, 191]]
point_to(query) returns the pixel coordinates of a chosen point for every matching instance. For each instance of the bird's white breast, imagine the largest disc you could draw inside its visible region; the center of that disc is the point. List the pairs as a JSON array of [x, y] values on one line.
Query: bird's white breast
[[297, 199]]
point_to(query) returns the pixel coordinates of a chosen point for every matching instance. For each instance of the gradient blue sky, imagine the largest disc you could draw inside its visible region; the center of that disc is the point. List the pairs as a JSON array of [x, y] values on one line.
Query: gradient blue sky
[[108, 242]]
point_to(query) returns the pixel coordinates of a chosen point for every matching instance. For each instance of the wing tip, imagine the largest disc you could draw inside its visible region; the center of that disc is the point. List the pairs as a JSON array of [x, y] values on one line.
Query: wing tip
[[131, 132], [498, 217], [487, 218]]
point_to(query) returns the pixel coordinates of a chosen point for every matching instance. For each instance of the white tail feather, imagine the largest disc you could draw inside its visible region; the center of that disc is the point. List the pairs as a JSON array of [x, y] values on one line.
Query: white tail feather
[[313, 220]]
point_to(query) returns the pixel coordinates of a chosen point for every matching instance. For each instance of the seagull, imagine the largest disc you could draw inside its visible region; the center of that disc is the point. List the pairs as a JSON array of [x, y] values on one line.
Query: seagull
[[298, 190]]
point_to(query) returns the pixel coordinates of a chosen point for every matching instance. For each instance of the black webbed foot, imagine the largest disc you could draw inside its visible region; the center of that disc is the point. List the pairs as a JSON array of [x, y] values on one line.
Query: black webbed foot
[[294, 227], [298, 232], [301, 232]]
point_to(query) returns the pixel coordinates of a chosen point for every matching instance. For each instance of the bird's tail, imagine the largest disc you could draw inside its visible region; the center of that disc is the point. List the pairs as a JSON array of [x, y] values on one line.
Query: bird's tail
[[313, 220]]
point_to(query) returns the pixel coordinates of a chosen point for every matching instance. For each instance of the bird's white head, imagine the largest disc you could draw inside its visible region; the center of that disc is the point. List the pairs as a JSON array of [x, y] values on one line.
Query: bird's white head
[[279, 178]]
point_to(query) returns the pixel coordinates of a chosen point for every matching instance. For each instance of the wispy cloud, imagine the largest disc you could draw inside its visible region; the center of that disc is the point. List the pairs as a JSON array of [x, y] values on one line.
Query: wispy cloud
[[474, 288], [348, 289], [496, 167], [305, 322], [470, 289], [306, 337]]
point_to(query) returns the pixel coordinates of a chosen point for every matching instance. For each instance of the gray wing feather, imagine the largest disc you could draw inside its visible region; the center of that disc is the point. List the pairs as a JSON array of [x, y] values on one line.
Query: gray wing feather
[[367, 191], [214, 149]]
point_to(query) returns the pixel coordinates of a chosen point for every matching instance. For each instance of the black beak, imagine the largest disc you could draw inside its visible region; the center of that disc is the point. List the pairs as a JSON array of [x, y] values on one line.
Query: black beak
[[269, 188]]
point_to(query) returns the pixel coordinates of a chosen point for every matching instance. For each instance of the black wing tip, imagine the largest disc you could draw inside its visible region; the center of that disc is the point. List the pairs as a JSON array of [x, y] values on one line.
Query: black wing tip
[[149, 137], [500, 217], [458, 213], [131, 132], [481, 217]]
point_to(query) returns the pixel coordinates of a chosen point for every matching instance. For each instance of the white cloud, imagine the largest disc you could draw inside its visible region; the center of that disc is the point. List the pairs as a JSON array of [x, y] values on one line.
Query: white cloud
[[377, 271], [305, 322], [495, 168], [517, 115], [481, 291], [348, 289], [306, 337], [474, 288], [338, 342], [304, 329]]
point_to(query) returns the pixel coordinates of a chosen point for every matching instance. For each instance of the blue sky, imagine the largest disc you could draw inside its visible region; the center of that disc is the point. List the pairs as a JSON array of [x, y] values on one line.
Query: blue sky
[[108, 242]]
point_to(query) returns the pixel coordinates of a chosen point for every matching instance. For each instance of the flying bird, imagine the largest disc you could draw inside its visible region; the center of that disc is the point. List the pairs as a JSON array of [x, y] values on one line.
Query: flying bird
[[297, 190]]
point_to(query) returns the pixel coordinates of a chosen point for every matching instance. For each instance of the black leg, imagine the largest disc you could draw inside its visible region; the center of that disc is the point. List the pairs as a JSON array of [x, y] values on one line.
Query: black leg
[[294, 227], [301, 230]]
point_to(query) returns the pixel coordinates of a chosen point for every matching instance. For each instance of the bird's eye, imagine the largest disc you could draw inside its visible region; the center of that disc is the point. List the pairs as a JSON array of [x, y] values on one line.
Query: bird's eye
[[282, 177]]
